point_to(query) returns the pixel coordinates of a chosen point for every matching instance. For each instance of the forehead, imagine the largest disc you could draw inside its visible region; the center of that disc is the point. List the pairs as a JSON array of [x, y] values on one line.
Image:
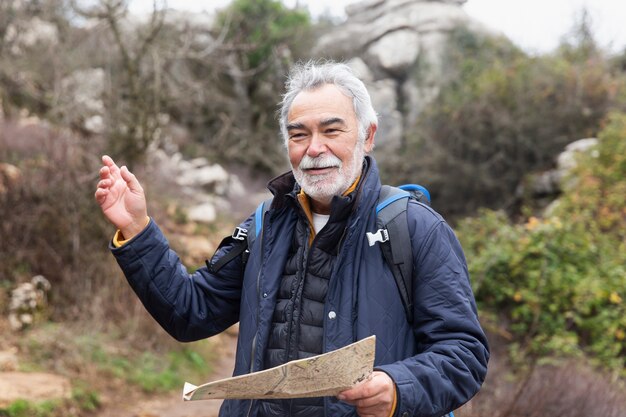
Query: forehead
[[327, 100]]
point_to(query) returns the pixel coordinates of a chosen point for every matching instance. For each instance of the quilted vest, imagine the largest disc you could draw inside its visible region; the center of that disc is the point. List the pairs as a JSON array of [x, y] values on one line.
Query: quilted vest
[[297, 323]]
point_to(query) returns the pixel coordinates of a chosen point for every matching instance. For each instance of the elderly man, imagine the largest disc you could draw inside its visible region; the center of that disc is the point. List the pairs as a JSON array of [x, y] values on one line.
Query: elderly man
[[310, 282]]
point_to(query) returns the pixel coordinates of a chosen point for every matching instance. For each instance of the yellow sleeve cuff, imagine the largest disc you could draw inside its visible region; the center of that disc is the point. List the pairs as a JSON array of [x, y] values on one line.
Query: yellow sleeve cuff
[[395, 401], [118, 238]]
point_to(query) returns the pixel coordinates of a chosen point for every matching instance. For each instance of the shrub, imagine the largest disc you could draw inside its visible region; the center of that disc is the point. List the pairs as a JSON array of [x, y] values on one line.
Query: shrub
[[501, 115], [559, 282], [51, 225]]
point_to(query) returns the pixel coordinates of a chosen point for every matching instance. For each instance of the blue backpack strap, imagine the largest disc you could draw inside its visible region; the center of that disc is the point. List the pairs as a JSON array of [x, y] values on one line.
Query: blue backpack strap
[[393, 235], [418, 192], [256, 227], [241, 240]]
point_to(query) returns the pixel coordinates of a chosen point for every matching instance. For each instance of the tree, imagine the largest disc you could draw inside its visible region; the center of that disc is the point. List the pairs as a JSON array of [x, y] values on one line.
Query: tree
[[136, 92]]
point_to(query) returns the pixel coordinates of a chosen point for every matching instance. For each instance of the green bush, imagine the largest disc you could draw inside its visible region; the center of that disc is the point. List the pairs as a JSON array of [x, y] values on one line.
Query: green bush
[[85, 398], [501, 114], [23, 408], [559, 282]]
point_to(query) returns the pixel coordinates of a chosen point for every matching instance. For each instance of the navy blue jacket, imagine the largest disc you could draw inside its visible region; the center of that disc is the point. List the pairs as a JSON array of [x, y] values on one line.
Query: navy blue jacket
[[438, 362]]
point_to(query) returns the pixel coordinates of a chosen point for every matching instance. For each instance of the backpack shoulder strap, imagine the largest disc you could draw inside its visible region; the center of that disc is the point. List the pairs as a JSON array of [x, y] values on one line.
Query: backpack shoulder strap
[[393, 234], [418, 192], [256, 227], [241, 239]]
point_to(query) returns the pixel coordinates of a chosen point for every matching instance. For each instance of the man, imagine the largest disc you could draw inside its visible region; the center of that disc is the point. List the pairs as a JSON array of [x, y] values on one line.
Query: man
[[311, 283]]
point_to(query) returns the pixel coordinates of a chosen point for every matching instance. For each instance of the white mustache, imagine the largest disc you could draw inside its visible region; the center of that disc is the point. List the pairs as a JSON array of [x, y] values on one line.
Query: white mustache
[[326, 161]]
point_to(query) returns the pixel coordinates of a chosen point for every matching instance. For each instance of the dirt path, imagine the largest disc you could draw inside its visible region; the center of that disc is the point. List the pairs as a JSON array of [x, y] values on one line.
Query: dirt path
[[172, 405]]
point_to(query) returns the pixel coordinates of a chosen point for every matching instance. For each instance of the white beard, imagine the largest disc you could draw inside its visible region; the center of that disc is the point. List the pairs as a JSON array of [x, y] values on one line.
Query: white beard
[[323, 187]]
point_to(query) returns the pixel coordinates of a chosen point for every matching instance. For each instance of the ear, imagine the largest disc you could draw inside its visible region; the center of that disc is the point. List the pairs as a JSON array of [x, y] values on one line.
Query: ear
[[369, 140]]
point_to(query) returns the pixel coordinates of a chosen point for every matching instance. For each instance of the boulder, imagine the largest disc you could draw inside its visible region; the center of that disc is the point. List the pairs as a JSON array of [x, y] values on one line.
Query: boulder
[[397, 47], [28, 301], [384, 99], [549, 184], [567, 160], [203, 213], [395, 52]]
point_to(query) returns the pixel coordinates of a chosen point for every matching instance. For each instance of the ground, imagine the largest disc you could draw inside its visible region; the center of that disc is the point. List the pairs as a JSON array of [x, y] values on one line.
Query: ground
[[172, 405], [116, 400]]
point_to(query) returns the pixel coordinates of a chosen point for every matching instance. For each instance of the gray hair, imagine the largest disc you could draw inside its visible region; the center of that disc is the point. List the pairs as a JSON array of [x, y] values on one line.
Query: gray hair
[[312, 75]]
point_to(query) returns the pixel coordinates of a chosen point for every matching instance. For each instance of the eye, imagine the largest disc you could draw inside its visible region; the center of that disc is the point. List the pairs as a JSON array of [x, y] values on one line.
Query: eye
[[297, 136]]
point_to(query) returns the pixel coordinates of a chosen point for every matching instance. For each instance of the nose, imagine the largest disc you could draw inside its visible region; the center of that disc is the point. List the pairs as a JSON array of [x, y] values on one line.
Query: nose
[[317, 145]]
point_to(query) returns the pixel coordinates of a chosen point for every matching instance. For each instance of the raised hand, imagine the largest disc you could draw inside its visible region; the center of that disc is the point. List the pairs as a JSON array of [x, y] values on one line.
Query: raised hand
[[121, 198]]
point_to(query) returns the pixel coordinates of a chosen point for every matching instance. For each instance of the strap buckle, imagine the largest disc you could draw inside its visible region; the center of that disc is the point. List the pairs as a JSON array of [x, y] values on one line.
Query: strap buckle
[[240, 233], [381, 235]]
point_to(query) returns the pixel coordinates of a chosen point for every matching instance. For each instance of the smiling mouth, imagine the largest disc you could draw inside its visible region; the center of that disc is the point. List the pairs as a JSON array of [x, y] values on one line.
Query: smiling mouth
[[318, 171]]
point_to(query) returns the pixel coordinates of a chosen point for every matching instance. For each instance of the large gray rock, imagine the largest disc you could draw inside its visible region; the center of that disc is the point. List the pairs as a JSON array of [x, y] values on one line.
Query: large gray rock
[[208, 188], [395, 52], [568, 159], [369, 22], [27, 300], [384, 99], [550, 184], [397, 47]]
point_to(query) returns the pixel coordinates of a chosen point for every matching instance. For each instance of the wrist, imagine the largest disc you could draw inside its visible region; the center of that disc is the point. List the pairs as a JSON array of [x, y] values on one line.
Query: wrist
[[133, 229]]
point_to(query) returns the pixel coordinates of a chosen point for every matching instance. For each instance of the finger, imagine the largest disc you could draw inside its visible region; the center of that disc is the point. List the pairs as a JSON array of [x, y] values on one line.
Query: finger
[[369, 401], [363, 390], [110, 163], [106, 183], [105, 172], [130, 179], [107, 160], [101, 194]]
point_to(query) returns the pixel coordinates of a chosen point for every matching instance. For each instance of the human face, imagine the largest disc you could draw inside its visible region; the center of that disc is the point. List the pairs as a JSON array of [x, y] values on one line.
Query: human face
[[325, 152]]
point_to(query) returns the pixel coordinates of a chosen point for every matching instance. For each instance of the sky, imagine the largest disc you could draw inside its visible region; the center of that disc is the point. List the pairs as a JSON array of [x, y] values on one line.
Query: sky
[[537, 26]]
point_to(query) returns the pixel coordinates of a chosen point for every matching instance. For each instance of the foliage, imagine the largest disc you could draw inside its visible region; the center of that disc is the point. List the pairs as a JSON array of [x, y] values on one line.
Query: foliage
[[84, 397], [262, 38], [220, 79], [28, 63], [502, 114], [24, 408], [262, 28], [559, 282], [91, 355], [150, 371], [50, 223]]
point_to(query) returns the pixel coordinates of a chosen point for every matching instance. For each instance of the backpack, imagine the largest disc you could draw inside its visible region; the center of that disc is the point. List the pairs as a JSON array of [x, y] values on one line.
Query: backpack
[[392, 234]]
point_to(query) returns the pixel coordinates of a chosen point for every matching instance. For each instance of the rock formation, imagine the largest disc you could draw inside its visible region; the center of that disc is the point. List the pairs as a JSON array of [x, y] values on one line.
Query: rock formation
[[397, 47]]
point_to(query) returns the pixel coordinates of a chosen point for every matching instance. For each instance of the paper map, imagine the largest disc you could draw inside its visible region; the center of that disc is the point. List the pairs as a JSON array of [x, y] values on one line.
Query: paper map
[[323, 375]]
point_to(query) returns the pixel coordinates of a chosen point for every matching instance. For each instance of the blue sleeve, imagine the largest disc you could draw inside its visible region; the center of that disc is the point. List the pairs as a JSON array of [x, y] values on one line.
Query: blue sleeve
[[188, 306], [451, 363]]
